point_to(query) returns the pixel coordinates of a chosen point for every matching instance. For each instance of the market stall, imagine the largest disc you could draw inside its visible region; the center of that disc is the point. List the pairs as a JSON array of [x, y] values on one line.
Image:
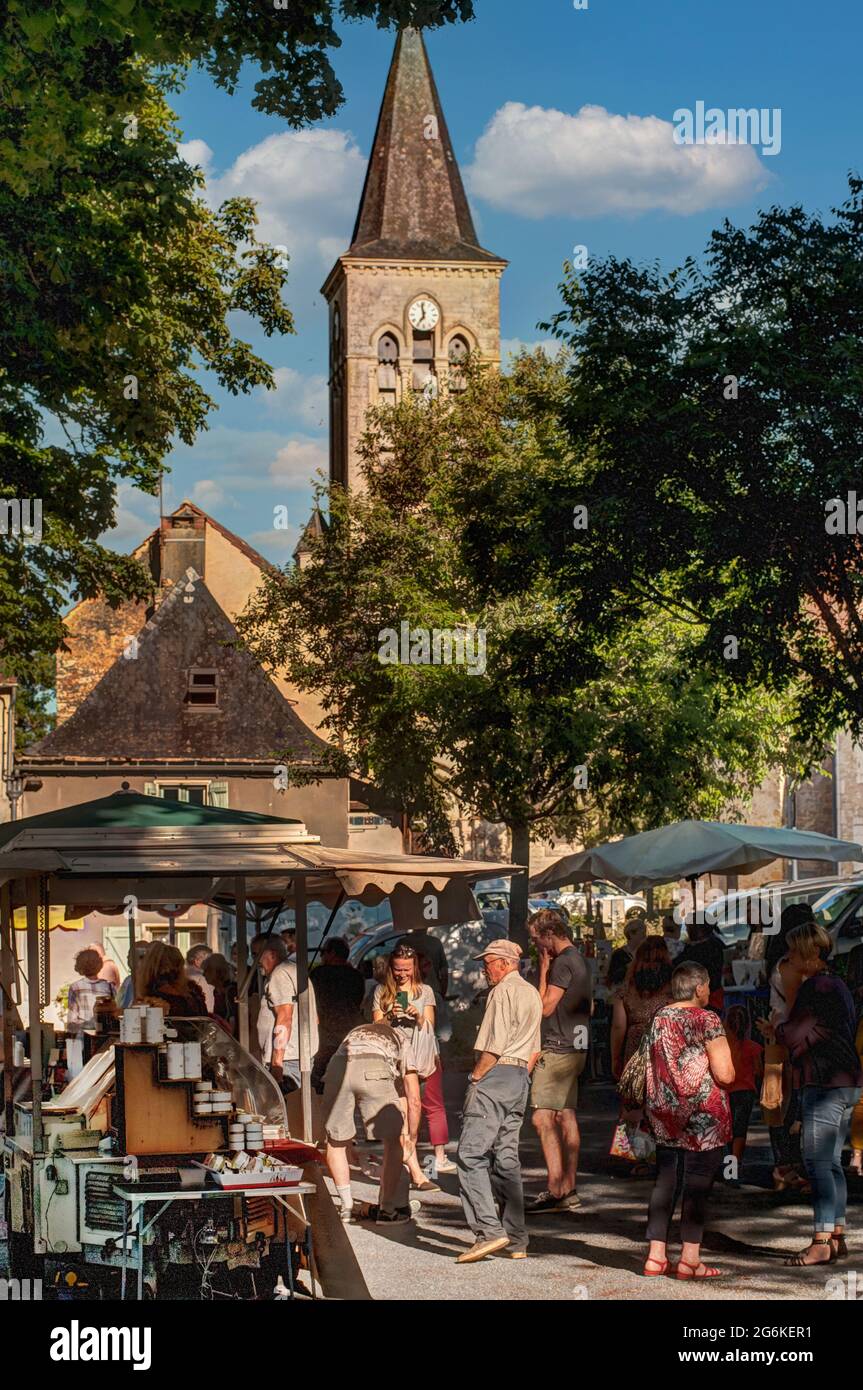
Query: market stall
[[128, 852]]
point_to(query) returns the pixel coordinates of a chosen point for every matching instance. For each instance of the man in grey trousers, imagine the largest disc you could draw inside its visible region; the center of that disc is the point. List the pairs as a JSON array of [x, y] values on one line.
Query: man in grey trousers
[[507, 1047]]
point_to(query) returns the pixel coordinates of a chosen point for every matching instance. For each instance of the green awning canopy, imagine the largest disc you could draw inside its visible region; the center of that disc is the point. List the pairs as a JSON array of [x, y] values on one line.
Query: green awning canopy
[[689, 849], [133, 811]]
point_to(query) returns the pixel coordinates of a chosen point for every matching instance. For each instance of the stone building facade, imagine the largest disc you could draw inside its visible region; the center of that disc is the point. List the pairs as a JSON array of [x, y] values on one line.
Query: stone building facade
[[157, 694]]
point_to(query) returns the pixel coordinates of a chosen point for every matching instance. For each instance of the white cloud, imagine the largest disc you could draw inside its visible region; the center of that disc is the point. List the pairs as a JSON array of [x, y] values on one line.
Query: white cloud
[[237, 460], [137, 515], [303, 397], [196, 153], [298, 462], [306, 184], [539, 162], [511, 347], [208, 494], [278, 542]]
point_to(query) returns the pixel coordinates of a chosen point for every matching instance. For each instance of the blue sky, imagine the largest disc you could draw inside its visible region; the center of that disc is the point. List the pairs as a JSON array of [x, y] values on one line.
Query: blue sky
[[542, 179]]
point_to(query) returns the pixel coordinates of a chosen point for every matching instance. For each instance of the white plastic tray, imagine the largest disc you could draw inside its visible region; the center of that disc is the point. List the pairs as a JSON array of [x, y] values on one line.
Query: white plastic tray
[[274, 1177]]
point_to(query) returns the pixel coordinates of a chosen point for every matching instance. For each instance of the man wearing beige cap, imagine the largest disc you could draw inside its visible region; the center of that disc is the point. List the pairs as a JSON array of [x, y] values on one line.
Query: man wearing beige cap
[[507, 1047]]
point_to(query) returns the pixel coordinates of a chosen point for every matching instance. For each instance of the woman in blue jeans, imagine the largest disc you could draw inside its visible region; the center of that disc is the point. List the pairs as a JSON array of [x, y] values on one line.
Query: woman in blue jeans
[[819, 1034]]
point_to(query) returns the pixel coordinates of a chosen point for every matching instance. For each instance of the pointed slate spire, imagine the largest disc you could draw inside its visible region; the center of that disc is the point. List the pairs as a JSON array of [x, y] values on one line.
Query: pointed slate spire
[[313, 531], [414, 204]]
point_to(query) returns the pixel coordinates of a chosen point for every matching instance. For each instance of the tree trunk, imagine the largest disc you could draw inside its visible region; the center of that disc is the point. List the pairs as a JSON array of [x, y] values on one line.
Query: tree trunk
[[407, 834], [518, 885]]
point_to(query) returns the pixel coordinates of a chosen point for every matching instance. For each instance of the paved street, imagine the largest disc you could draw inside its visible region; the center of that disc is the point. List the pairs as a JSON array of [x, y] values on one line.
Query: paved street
[[596, 1253]]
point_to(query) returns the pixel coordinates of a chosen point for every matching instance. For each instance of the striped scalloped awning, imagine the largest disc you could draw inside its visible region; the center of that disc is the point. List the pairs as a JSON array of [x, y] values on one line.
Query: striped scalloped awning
[[56, 918]]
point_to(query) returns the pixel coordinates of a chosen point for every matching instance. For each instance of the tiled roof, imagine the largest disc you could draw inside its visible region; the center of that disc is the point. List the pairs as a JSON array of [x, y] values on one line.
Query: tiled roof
[[138, 710], [414, 205]]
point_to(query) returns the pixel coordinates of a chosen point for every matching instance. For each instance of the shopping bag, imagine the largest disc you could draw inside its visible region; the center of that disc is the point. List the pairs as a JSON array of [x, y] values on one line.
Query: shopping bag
[[620, 1145], [632, 1086], [643, 1145], [425, 1051]]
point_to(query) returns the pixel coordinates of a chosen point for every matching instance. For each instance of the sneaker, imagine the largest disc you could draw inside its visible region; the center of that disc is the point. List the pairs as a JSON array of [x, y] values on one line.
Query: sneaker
[[346, 1215], [570, 1201], [373, 1212], [446, 1167], [481, 1248]]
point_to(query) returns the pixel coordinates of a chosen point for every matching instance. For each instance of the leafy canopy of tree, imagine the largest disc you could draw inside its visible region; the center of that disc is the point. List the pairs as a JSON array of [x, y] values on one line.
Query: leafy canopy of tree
[[724, 407], [90, 47], [115, 292], [658, 736], [116, 279]]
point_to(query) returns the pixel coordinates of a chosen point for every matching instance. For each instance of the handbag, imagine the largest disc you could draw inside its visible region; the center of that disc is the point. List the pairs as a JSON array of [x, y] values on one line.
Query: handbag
[[424, 1047], [632, 1086], [775, 1085]]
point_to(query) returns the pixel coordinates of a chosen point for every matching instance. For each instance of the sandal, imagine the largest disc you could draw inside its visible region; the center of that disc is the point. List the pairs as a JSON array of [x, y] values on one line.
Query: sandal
[[654, 1273], [708, 1271], [841, 1251], [641, 1170], [800, 1261]]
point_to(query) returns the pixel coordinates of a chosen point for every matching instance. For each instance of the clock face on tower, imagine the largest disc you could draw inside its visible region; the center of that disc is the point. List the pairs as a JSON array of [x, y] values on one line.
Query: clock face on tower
[[424, 315]]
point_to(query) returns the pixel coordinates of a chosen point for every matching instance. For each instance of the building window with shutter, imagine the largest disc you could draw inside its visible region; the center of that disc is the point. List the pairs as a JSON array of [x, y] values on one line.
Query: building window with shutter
[[202, 688], [190, 793]]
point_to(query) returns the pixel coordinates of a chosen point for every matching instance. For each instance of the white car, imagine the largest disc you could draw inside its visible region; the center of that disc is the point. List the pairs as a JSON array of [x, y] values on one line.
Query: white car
[[610, 903]]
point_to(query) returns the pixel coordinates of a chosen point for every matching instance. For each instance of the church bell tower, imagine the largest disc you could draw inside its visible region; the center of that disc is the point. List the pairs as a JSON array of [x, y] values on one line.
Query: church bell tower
[[415, 292]]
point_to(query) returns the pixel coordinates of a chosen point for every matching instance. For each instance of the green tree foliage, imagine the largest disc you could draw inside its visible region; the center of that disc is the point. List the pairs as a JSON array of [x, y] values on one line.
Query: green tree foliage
[[556, 702], [116, 279], [91, 45], [115, 293], [724, 406]]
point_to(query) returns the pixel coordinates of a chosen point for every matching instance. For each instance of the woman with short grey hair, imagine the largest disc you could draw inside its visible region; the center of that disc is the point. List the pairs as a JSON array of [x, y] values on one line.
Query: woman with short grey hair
[[688, 1113]]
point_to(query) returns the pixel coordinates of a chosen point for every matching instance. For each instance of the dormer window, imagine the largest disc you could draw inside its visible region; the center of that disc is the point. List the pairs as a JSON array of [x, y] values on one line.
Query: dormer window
[[202, 688]]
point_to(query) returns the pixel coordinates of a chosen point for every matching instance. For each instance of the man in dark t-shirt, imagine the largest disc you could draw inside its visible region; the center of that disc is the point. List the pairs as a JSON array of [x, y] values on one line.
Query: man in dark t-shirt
[[565, 989], [339, 991], [705, 948]]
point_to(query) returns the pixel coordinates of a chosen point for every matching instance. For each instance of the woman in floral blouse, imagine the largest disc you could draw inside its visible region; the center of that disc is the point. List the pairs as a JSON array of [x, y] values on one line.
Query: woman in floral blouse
[[689, 1115]]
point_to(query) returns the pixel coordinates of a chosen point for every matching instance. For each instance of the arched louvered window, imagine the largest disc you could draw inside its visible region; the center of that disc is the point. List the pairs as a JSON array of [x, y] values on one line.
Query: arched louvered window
[[388, 358], [425, 378], [459, 350]]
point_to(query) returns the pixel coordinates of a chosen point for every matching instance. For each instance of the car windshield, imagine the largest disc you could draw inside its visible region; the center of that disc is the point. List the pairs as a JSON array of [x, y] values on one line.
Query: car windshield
[[829, 909], [726, 912]]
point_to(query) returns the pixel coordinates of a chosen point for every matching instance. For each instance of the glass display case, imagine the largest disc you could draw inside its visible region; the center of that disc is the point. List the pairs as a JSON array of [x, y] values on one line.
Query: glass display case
[[231, 1068]]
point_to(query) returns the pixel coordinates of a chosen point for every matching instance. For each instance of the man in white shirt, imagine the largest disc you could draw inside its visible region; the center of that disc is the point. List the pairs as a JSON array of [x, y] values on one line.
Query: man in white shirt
[[278, 1019], [507, 1047]]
